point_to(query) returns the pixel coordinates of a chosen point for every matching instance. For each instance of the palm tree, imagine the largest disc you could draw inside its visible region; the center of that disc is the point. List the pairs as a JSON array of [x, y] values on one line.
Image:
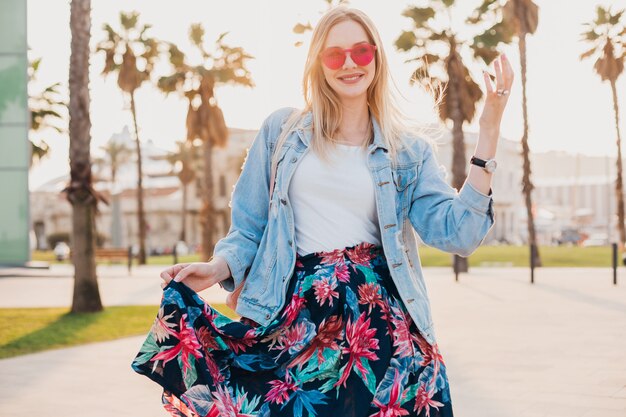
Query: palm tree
[[515, 19], [301, 28], [131, 54], [45, 107], [440, 67], [184, 162], [80, 192], [205, 121], [607, 36], [116, 154]]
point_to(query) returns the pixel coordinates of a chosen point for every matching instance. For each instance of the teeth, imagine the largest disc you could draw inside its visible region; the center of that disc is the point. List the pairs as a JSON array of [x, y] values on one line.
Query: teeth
[[350, 78]]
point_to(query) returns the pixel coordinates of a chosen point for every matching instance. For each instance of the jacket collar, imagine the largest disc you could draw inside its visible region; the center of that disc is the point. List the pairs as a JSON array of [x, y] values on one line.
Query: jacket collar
[[305, 133]]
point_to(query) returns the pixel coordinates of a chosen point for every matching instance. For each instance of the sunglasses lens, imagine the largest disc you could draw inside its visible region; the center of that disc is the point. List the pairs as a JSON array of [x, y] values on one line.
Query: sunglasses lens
[[362, 55], [333, 58]]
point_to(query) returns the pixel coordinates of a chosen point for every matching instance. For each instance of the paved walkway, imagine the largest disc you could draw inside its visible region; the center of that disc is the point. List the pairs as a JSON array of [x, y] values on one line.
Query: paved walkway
[[553, 349]]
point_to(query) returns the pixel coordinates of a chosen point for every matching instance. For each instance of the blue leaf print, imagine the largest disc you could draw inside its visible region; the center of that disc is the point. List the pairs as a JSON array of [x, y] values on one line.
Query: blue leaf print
[[200, 398], [307, 399]]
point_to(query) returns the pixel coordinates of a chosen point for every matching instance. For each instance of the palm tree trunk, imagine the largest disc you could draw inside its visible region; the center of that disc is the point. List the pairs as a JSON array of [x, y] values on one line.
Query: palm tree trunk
[[140, 211], [527, 185], [458, 143], [207, 212], [80, 193], [183, 217], [619, 188]]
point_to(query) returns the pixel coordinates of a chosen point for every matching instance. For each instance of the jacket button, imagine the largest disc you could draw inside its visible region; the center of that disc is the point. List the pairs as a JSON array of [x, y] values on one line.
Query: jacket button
[[294, 159], [282, 200], [290, 242], [267, 316]]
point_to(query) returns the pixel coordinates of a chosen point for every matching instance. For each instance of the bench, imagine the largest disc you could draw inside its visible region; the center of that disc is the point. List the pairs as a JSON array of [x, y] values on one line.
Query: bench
[[117, 254], [124, 254]]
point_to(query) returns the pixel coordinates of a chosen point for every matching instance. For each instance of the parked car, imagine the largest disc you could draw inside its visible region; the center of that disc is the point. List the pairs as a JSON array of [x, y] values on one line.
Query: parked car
[[61, 251], [569, 236]]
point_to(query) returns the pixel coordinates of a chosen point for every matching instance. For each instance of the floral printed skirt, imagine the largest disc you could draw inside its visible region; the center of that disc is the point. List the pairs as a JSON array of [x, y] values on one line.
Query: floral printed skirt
[[343, 345]]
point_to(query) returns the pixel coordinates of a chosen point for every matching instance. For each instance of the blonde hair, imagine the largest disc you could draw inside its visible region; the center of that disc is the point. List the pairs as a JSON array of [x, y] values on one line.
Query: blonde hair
[[323, 102]]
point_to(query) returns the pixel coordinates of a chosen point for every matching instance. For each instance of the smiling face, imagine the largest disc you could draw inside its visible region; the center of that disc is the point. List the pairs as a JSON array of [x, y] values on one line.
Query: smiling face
[[350, 81]]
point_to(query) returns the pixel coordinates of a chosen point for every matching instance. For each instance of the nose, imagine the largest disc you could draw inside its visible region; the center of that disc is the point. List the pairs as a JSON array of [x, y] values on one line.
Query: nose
[[349, 63]]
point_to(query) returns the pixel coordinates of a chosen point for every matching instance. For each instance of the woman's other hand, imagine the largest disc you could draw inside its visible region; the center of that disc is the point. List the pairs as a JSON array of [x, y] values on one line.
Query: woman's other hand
[[197, 275]]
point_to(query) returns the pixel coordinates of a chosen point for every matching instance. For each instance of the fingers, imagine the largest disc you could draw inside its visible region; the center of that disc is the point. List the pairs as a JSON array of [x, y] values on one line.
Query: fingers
[[168, 274], [499, 79], [487, 79], [507, 71], [503, 77], [190, 269]]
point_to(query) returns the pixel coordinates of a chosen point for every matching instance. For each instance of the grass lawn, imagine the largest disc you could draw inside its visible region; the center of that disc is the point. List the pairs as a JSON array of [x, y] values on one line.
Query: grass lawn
[[28, 330], [484, 256]]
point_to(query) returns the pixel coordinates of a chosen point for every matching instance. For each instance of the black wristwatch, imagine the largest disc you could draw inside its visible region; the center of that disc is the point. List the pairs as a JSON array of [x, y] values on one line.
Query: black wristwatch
[[488, 165]]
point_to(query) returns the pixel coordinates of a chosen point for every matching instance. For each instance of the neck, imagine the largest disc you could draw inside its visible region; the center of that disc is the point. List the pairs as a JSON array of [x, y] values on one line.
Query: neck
[[355, 122]]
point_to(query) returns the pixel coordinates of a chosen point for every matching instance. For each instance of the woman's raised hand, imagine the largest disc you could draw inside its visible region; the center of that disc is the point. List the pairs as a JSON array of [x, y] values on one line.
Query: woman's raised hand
[[497, 96], [197, 275]]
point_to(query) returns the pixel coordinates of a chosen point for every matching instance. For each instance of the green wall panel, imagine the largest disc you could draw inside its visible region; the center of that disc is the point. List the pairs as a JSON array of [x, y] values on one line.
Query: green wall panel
[[13, 26], [14, 213]]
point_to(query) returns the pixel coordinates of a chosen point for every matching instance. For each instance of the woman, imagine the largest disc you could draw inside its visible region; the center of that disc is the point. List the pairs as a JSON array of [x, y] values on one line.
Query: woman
[[335, 319]]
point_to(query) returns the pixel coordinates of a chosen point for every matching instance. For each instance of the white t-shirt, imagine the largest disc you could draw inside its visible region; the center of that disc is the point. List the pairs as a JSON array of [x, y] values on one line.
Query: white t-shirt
[[334, 204]]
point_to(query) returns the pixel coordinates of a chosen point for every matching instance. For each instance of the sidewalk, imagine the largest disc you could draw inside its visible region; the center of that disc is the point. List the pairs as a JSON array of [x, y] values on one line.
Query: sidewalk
[[553, 349]]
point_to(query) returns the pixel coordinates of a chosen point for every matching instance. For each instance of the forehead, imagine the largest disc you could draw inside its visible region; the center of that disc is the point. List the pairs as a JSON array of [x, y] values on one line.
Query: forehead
[[345, 34]]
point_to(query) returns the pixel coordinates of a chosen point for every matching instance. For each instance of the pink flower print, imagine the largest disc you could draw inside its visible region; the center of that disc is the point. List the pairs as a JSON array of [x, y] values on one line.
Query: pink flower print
[[361, 254], [280, 390], [206, 339], [187, 344], [361, 342], [332, 257], [241, 343], [292, 310], [402, 339], [393, 408], [292, 338], [327, 334], [325, 290], [430, 353], [341, 272], [424, 400], [226, 404], [214, 369], [369, 293]]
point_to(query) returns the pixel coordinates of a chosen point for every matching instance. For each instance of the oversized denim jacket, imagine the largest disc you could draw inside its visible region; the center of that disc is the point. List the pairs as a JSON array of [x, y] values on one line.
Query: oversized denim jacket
[[411, 196]]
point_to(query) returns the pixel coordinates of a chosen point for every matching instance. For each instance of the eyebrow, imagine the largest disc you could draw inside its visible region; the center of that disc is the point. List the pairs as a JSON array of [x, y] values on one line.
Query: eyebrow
[[337, 46]]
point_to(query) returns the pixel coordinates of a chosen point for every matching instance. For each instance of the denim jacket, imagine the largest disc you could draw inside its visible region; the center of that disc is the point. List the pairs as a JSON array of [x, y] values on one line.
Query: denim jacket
[[411, 196]]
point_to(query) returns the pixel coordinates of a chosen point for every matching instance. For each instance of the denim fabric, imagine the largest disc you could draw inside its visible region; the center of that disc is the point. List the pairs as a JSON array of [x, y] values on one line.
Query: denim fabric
[[411, 196]]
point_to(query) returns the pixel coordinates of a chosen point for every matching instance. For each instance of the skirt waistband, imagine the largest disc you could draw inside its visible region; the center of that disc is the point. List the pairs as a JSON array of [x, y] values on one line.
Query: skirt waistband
[[360, 248]]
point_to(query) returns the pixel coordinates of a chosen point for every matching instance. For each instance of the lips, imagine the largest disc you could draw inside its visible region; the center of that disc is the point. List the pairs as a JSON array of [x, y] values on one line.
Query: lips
[[350, 78]]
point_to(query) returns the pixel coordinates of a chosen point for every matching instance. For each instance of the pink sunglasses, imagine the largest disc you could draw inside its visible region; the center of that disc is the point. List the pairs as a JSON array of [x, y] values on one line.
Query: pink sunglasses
[[334, 57]]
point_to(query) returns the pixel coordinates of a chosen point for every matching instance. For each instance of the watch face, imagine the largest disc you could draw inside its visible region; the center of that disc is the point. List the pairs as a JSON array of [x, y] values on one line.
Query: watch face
[[491, 165]]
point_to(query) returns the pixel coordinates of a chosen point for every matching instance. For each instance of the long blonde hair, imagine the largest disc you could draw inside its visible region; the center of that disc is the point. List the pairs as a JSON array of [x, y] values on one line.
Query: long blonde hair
[[323, 102]]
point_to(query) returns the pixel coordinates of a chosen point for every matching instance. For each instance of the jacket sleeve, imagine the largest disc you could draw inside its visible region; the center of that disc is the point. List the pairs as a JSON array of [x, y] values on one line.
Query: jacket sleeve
[[450, 221], [249, 210]]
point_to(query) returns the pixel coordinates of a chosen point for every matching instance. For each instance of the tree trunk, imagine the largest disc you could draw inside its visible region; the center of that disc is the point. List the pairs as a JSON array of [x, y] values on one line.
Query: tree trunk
[[80, 193], [459, 160], [619, 188], [141, 216], [527, 185], [207, 212], [183, 216]]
